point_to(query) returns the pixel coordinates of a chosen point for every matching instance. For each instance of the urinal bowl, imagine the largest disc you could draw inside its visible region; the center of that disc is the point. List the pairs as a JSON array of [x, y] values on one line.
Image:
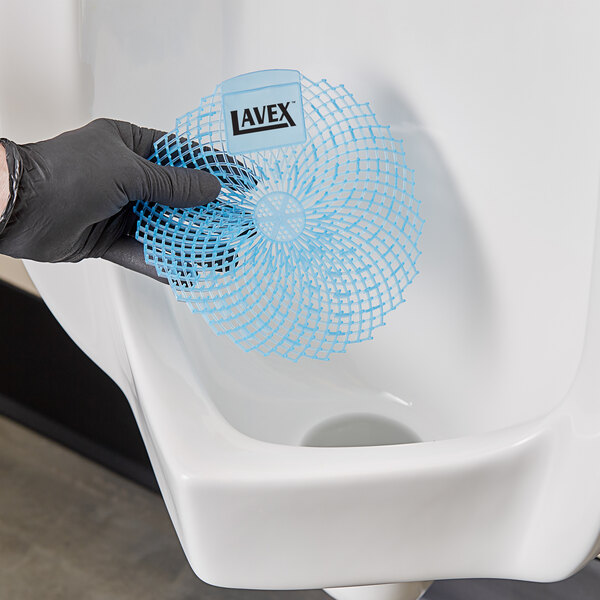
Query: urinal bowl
[[286, 476]]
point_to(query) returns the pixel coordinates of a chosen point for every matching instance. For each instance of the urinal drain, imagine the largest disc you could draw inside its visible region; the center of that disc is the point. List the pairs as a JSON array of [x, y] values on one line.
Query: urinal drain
[[313, 238], [359, 430]]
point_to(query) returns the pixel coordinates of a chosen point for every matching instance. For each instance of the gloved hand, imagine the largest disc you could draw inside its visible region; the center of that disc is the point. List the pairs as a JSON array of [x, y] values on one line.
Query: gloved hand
[[75, 192]]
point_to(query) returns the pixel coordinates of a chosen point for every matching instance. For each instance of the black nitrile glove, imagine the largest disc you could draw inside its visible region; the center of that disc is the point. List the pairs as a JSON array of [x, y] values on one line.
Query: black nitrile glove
[[74, 193]]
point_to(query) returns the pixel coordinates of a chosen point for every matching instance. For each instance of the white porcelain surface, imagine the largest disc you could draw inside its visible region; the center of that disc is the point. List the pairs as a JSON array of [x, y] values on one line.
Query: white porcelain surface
[[497, 103], [385, 591]]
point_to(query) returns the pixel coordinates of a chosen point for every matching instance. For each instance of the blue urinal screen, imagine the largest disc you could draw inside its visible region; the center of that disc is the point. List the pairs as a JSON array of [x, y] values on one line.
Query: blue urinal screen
[[313, 238]]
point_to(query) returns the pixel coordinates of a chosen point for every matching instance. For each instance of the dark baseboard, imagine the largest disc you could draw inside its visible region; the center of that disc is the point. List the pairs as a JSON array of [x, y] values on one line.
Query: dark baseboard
[[49, 385]]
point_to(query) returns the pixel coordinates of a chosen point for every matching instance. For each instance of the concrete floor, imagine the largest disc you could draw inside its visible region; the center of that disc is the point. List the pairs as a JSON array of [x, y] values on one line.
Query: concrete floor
[[71, 530]]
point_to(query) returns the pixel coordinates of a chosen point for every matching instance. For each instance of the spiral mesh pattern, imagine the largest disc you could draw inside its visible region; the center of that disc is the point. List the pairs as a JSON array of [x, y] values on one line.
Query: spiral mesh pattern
[[308, 246]]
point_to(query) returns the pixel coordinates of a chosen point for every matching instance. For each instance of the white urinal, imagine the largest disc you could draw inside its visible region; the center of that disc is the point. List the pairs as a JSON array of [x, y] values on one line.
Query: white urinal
[[463, 441]]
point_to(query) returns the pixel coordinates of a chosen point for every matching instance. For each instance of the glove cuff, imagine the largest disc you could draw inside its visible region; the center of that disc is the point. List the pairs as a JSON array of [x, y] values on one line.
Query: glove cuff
[[15, 172]]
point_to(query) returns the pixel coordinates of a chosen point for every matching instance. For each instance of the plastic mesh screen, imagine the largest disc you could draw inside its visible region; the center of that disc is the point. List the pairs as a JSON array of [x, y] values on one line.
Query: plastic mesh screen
[[307, 246]]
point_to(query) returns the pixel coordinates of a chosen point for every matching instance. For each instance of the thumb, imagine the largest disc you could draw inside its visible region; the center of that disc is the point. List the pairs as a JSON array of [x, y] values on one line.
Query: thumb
[[178, 187], [129, 253]]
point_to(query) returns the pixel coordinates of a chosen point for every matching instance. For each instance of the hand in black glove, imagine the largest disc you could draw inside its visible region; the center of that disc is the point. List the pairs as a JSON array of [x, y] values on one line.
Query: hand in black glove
[[74, 194]]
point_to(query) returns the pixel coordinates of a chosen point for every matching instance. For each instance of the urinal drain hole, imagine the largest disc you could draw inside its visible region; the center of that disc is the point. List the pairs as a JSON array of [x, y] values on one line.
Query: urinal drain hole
[[359, 430]]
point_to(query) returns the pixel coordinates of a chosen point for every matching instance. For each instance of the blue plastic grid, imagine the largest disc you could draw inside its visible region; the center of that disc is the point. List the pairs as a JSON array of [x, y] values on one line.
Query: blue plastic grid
[[307, 246]]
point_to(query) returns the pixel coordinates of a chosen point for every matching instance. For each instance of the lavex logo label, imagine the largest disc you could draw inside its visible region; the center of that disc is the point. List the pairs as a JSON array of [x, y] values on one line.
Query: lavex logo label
[[258, 116], [262, 118]]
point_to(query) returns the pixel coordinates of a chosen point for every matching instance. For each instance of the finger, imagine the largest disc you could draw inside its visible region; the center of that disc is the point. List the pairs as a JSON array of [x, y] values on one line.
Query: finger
[[232, 173], [179, 188], [182, 152], [129, 253], [139, 139], [227, 168]]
